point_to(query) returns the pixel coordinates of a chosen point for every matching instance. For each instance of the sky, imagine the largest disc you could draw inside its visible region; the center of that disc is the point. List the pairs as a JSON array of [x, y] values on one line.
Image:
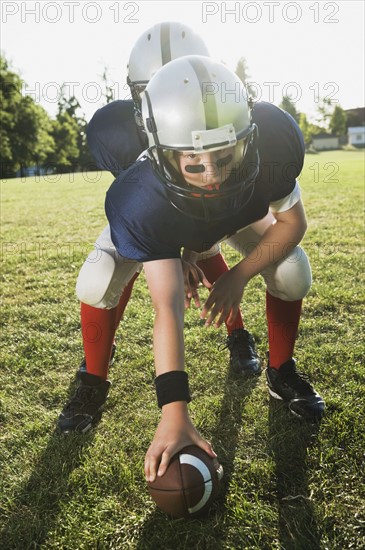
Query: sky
[[306, 49]]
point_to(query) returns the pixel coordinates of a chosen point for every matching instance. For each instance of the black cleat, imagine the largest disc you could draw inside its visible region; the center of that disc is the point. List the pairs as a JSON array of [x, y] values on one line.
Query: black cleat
[[243, 356], [294, 388], [82, 367], [85, 407]]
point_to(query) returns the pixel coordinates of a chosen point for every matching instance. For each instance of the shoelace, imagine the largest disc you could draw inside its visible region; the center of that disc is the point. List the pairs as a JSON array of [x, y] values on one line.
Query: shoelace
[[298, 380], [82, 395], [244, 343]]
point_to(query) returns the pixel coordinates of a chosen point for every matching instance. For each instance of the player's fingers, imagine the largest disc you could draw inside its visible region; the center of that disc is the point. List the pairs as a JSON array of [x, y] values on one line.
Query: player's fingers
[[194, 278], [187, 301], [150, 467], [146, 469], [187, 289], [190, 292], [232, 315], [206, 283], [207, 305], [207, 447], [196, 299], [223, 316], [215, 310], [205, 312], [203, 279], [165, 459]]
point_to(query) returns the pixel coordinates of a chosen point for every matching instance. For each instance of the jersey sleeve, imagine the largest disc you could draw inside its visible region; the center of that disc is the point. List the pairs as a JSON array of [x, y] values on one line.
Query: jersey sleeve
[[113, 137], [281, 151], [104, 160], [287, 202]]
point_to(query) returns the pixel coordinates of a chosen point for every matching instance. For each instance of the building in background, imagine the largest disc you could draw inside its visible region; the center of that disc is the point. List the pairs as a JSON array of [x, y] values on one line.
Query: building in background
[[325, 142], [356, 136]]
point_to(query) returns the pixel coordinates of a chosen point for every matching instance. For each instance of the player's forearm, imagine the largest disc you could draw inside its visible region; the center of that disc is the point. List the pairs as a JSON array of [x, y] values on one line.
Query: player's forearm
[[275, 245], [166, 284], [168, 340]]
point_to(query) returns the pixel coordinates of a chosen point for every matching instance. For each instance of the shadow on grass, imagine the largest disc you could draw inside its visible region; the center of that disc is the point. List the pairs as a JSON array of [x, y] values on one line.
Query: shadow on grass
[[290, 439], [35, 508], [226, 434], [208, 533]]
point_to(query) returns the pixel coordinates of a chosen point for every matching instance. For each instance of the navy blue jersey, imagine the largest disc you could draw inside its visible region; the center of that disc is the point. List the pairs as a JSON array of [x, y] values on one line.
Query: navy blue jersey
[[281, 148], [114, 138], [144, 224], [116, 141]]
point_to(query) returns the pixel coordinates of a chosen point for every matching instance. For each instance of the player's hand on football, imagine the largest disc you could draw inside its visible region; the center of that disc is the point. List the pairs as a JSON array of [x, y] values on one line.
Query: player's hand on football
[[224, 299], [193, 278], [174, 432]]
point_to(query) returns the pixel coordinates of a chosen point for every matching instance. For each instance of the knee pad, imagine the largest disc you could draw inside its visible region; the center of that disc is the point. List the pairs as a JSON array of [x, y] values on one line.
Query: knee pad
[[290, 279], [94, 280]]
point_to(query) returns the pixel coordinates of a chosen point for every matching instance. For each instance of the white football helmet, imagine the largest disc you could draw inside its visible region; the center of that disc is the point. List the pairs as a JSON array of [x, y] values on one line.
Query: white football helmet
[[198, 105], [156, 47]]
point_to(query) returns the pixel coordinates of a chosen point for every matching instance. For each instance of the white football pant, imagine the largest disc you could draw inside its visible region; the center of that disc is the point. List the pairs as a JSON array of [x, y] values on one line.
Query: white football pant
[[105, 273]]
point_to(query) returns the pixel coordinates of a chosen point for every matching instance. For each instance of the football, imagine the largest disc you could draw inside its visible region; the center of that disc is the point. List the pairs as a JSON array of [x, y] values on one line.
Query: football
[[190, 484]]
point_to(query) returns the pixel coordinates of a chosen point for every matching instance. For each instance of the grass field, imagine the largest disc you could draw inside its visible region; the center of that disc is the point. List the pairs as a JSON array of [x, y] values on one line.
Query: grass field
[[288, 484]]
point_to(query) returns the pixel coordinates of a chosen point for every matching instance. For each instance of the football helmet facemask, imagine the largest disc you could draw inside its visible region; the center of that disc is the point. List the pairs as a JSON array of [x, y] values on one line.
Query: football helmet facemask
[[202, 142]]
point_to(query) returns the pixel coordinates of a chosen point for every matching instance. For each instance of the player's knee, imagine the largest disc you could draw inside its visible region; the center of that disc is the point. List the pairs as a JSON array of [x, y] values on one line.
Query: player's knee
[[293, 277], [298, 275], [94, 281]]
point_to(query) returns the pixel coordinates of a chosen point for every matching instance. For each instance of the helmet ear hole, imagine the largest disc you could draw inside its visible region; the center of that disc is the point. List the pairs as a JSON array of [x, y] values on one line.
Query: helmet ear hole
[[151, 125]]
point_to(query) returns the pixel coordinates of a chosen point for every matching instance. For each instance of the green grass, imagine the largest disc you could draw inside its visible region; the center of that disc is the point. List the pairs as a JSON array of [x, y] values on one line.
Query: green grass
[[288, 485]]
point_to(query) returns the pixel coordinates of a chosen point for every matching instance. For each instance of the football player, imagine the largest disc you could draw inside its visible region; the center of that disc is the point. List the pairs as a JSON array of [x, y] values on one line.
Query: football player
[[116, 138], [214, 170]]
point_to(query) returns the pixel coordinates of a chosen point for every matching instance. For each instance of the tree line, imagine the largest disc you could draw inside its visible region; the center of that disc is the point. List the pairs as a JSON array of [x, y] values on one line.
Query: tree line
[[30, 137], [329, 118]]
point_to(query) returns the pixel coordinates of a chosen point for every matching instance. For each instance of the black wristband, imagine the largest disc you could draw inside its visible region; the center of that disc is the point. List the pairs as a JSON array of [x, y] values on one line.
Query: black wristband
[[172, 386]]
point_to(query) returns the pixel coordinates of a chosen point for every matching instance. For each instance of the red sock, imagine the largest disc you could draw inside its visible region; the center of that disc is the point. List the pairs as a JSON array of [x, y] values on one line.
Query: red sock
[[124, 299], [283, 321], [213, 267], [98, 329]]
